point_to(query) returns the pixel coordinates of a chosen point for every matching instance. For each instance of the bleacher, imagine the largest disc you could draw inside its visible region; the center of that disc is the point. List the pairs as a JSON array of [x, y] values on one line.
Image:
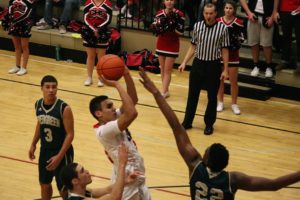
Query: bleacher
[[135, 36]]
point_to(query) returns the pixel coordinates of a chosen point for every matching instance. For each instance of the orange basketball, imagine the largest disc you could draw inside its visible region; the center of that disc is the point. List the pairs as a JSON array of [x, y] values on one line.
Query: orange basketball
[[111, 67]]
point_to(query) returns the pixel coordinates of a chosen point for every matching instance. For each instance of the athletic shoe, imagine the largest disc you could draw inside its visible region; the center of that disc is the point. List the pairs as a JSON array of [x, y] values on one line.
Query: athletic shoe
[[44, 27], [88, 81], [235, 109], [100, 84], [255, 71], [21, 72], [14, 70], [268, 73], [187, 126], [62, 29], [165, 95], [220, 106], [208, 130]]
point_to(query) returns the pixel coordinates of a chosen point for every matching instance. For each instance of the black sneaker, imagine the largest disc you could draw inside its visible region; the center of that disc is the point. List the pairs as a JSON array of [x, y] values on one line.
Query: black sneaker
[[208, 130]]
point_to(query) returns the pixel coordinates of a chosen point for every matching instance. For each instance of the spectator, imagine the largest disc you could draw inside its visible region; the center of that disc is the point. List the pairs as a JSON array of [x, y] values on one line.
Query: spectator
[[18, 22], [235, 28], [260, 31], [168, 25], [97, 17], [67, 5], [290, 19], [191, 8]]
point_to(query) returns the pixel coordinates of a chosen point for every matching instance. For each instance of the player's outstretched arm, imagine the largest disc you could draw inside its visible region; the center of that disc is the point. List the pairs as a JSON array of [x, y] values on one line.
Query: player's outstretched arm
[[190, 155], [251, 183]]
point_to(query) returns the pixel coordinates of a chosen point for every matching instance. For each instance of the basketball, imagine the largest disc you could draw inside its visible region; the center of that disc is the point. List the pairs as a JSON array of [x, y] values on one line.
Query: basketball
[[111, 67]]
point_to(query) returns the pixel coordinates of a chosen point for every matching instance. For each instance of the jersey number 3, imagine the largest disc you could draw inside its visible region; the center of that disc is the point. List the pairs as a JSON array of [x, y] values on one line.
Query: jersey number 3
[[202, 192], [48, 133]]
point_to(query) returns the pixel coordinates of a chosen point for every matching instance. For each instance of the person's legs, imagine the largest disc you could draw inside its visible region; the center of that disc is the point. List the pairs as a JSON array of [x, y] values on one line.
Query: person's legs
[[287, 29], [45, 176], [25, 51], [168, 66], [266, 41], [213, 70], [48, 11], [90, 62], [69, 6], [18, 49], [255, 53], [68, 158], [162, 60], [220, 105], [253, 32], [297, 33], [195, 82], [233, 77], [46, 191]]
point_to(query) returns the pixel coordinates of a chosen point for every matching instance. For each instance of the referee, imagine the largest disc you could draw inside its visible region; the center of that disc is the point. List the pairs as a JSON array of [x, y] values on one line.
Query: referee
[[210, 41]]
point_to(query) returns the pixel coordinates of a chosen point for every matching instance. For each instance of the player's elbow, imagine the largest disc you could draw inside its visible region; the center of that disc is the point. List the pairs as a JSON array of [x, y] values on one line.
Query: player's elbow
[[134, 114]]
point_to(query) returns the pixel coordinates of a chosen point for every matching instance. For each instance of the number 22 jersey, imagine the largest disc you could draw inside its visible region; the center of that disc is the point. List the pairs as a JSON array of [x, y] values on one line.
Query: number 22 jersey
[[207, 185]]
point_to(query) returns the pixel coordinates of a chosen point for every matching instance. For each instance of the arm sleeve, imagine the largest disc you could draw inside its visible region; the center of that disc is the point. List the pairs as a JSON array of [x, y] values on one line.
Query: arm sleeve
[[194, 39]]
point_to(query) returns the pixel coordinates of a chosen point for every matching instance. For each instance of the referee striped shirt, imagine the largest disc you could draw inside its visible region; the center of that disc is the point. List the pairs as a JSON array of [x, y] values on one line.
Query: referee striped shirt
[[209, 39]]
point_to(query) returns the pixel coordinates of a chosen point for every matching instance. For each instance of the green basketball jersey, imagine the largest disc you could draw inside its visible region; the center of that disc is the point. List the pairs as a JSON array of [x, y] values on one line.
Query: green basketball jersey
[[205, 185], [52, 130]]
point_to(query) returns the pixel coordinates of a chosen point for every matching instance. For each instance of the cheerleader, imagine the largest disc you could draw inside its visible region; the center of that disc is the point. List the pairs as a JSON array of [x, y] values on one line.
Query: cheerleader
[[18, 24], [97, 16], [235, 28], [168, 25]]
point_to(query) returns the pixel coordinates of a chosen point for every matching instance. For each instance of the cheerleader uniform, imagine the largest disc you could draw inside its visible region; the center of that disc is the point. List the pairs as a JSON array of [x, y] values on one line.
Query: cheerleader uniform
[[235, 30], [168, 39], [19, 20], [96, 18]]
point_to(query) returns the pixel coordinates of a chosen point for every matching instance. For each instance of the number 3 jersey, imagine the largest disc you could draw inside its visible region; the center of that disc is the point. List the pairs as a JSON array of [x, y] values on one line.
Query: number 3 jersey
[[52, 130], [207, 185]]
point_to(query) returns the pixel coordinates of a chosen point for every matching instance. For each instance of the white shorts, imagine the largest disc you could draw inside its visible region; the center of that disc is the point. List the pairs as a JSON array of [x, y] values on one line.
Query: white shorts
[[258, 34]]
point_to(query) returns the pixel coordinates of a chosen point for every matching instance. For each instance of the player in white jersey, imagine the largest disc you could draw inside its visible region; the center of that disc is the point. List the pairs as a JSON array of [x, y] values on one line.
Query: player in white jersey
[[112, 130]]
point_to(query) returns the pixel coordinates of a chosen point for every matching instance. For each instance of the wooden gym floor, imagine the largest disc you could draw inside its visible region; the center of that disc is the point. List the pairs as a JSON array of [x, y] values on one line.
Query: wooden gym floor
[[263, 141]]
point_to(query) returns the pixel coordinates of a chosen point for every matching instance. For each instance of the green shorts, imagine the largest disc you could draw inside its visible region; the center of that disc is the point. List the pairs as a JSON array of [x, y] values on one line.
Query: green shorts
[[45, 176]]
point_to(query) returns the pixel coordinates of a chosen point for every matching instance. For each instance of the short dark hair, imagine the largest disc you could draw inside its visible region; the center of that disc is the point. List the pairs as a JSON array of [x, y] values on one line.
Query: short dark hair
[[210, 5], [48, 78], [218, 157], [95, 104], [67, 174], [232, 3]]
